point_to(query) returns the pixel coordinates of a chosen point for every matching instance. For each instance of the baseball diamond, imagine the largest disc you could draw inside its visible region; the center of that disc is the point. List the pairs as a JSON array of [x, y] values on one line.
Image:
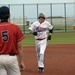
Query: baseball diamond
[[48, 43], [59, 58], [58, 52]]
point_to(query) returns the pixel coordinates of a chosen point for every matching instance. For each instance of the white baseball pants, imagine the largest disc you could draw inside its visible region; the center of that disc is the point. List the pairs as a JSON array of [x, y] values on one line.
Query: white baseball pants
[[40, 49], [9, 65]]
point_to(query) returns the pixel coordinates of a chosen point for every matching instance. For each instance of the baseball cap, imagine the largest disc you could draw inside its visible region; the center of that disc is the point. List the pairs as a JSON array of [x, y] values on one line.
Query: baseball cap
[[41, 15], [4, 12]]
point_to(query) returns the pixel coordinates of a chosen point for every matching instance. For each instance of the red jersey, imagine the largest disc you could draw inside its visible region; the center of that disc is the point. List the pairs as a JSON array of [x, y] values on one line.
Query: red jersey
[[10, 35]]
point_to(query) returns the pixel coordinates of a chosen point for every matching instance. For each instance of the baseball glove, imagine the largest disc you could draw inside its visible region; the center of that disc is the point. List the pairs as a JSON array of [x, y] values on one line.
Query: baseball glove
[[35, 33], [49, 37]]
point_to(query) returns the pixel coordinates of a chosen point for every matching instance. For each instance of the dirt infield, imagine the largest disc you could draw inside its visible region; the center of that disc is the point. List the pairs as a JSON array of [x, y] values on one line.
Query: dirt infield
[[59, 60]]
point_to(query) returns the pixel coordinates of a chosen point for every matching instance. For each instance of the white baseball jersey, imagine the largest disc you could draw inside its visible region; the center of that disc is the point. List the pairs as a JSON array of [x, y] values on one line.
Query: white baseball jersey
[[41, 29]]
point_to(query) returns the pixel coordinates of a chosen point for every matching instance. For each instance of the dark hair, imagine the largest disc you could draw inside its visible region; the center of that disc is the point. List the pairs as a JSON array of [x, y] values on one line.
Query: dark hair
[[4, 12], [41, 17]]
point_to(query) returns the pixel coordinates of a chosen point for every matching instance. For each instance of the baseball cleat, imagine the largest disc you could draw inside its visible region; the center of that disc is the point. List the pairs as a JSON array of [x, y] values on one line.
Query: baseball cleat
[[40, 69]]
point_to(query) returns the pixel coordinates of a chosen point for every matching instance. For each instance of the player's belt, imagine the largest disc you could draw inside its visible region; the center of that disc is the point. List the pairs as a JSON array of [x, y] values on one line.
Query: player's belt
[[9, 54], [40, 39]]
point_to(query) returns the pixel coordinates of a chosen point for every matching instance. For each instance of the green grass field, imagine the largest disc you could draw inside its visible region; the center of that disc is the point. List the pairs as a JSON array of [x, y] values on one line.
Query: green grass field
[[57, 38]]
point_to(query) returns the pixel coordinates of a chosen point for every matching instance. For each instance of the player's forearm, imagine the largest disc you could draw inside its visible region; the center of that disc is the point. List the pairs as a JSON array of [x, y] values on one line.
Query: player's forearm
[[20, 51], [20, 54], [21, 62]]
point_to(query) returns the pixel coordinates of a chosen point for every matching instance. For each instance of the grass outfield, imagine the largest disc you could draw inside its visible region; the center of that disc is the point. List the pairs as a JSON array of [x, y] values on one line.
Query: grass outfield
[[57, 38]]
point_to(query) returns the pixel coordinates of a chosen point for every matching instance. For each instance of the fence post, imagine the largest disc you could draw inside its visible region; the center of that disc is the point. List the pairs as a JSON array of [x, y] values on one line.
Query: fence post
[[65, 17], [37, 11], [51, 11], [23, 20]]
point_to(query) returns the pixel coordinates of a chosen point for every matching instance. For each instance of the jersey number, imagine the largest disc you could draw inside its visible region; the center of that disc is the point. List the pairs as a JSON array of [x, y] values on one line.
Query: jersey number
[[5, 36]]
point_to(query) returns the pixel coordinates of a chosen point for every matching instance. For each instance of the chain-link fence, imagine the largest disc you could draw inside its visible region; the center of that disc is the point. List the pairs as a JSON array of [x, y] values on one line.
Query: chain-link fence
[[60, 15]]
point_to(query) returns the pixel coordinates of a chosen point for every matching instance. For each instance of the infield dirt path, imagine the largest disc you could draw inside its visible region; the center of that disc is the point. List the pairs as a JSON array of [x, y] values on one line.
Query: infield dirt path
[[59, 60]]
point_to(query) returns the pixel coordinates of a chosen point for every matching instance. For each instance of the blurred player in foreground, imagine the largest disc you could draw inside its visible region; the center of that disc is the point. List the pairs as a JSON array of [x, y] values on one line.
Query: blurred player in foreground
[[10, 45], [42, 30]]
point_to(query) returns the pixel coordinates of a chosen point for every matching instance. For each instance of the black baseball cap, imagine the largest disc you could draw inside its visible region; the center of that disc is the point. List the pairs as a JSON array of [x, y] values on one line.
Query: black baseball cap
[[4, 12]]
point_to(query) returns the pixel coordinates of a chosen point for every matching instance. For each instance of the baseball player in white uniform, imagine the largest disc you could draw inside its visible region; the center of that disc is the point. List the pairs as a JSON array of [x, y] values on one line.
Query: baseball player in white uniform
[[42, 30]]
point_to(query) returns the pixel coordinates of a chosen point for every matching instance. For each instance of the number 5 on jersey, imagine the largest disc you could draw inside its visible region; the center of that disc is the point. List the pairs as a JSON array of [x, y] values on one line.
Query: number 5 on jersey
[[5, 36]]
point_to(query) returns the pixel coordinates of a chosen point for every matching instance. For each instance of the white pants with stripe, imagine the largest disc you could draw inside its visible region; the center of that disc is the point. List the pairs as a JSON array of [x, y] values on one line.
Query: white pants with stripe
[[9, 65], [40, 49]]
